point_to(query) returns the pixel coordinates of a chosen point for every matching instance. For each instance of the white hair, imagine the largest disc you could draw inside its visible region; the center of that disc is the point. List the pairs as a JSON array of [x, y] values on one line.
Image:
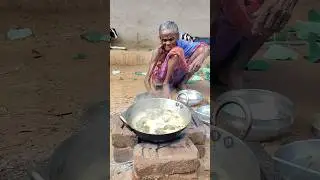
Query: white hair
[[169, 25]]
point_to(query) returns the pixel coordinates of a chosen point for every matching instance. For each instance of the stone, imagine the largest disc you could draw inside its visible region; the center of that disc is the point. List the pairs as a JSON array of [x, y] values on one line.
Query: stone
[[175, 158], [197, 134], [121, 135], [122, 154]]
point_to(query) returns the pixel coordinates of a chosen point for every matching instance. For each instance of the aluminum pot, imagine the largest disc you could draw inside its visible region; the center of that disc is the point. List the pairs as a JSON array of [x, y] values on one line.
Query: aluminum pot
[[238, 127], [272, 114], [190, 97], [203, 113], [233, 159]]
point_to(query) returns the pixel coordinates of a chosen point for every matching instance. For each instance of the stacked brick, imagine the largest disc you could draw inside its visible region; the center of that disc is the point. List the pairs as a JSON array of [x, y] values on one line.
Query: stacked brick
[[123, 140], [179, 160]]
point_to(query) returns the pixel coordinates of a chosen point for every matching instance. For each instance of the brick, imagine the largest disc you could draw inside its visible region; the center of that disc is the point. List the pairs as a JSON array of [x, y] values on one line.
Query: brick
[[205, 175], [205, 161], [122, 154], [177, 158], [121, 135], [197, 134], [201, 150], [206, 129], [189, 176], [204, 170], [193, 176]]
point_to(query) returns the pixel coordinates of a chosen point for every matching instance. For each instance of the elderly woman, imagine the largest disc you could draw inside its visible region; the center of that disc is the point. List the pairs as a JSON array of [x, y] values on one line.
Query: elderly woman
[[241, 28], [174, 62]]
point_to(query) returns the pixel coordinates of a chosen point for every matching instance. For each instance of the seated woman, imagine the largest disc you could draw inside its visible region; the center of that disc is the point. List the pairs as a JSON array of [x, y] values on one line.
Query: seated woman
[[175, 61]]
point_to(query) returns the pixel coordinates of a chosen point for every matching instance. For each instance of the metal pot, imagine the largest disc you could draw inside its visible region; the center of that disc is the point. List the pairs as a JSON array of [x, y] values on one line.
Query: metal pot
[[299, 160], [271, 113], [203, 113], [232, 158], [83, 156], [238, 127], [190, 97], [157, 103]]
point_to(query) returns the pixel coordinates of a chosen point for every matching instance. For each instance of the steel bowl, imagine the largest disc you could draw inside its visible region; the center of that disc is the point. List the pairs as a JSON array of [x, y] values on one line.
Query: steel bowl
[[190, 97], [316, 126], [203, 113], [299, 160]]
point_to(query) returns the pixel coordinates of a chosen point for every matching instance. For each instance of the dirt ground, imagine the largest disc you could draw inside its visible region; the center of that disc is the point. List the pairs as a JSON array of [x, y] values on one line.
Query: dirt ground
[[35, 93], [41, 98]]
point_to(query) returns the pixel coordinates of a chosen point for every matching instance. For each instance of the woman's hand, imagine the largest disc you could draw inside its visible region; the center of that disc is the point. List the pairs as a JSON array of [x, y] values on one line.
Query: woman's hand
[[147, 83], [154, 59], [272, 16], [195, 66], [161, 49], [161, 53], [166, 91]]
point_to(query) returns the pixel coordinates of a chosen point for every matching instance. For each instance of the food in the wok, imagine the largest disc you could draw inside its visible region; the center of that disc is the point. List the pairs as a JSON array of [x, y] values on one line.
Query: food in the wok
[[158, 121]]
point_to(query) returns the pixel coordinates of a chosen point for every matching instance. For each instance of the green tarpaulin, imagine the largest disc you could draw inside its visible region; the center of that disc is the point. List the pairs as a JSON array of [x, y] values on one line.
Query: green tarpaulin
[[257, 65], [314, 48], [278, 52], [314, 15], [304, 28]]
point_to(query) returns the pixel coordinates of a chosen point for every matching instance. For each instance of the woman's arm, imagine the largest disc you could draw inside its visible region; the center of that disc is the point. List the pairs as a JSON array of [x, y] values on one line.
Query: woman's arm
[[151, 65], [172, 62], [235, 11], [272, 16]]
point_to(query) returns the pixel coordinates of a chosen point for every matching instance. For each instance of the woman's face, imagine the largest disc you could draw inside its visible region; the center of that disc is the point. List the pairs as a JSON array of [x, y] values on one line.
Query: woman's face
[[168, 39]]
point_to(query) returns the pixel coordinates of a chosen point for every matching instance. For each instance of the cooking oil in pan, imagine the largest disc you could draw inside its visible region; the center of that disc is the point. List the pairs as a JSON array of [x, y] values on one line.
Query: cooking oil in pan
[[158, 121]]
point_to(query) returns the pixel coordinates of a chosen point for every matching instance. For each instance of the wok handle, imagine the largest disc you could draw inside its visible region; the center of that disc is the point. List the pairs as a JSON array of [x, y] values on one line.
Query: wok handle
[[123, 119], [240, 102], [187, 98]]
